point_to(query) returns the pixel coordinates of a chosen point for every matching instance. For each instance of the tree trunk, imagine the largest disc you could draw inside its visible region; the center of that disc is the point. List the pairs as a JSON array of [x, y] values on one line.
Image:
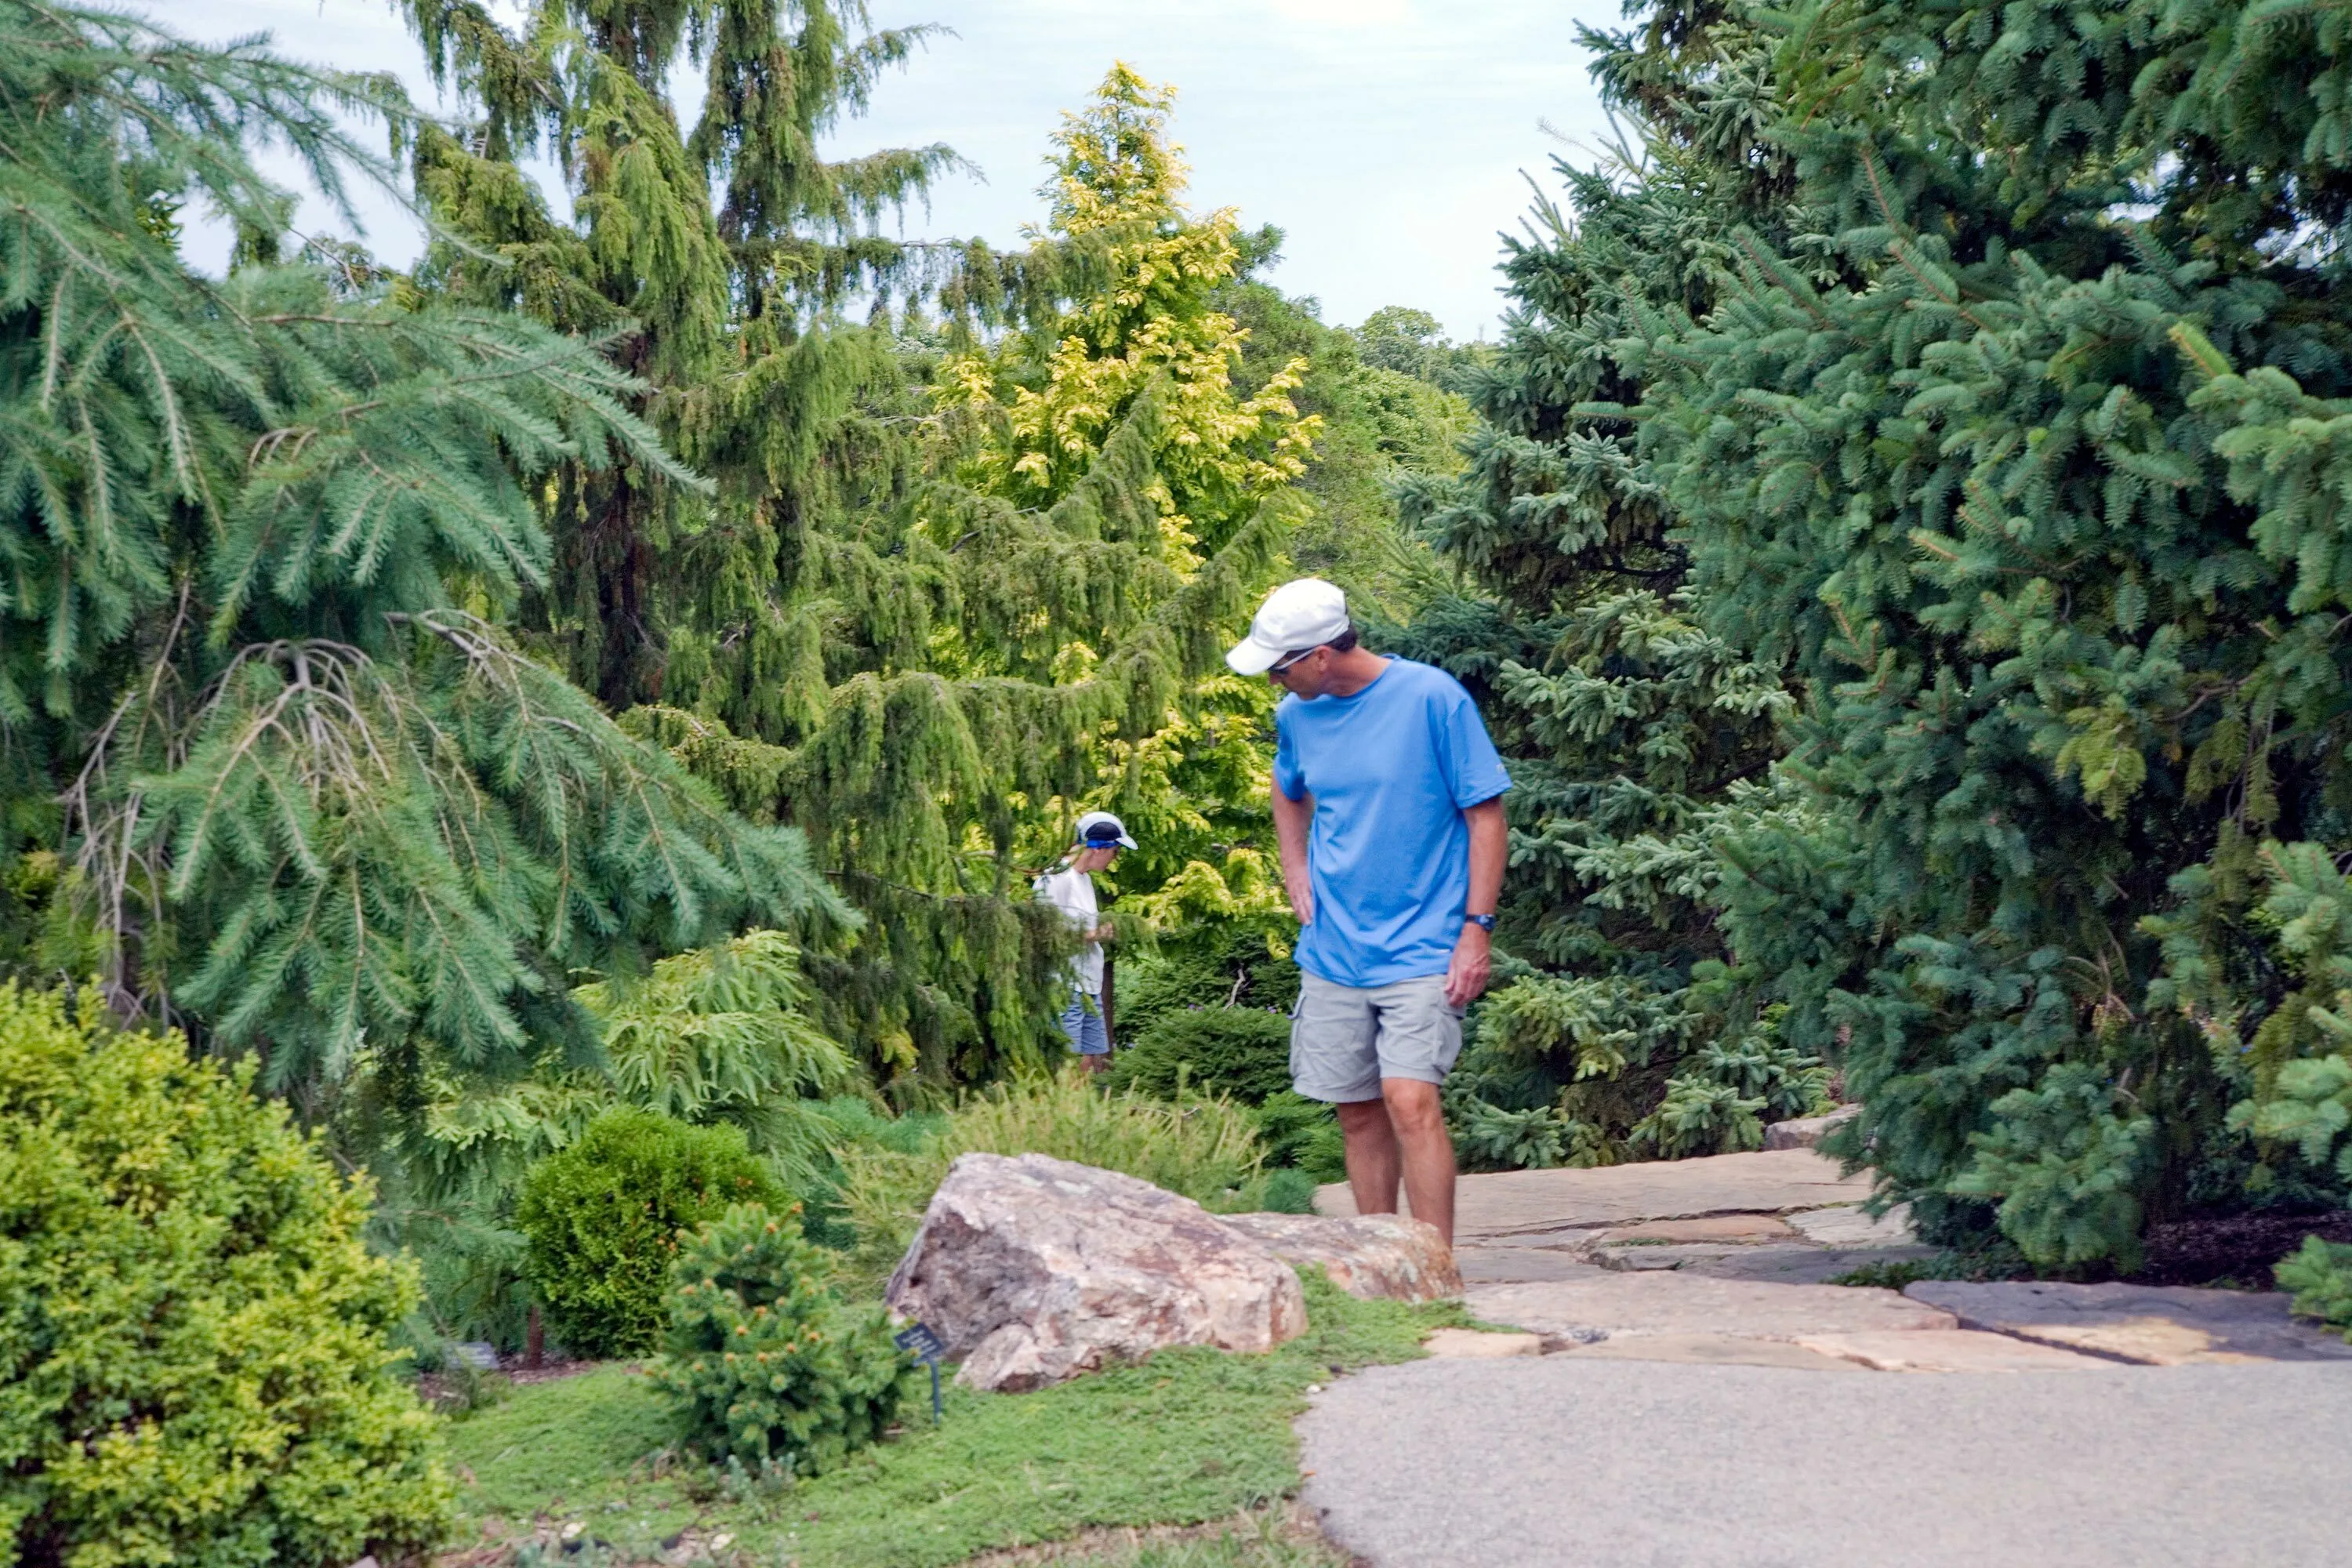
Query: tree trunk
[[1110, 978]]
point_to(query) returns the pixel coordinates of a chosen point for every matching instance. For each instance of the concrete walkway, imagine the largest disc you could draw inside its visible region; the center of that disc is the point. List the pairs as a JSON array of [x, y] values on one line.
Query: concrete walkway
[[1658, 1398], [1575, 1462]]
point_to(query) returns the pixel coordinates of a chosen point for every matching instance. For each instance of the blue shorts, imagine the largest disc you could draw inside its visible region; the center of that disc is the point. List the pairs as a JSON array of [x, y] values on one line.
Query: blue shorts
[[1082, 1022]]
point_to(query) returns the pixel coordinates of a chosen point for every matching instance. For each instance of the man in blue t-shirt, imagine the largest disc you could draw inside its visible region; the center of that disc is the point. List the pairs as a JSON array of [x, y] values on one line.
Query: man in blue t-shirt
[[1387, 806]]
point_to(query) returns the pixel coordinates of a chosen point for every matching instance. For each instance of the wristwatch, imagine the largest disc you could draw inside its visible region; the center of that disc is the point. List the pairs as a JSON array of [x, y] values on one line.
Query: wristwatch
[[1484, 922]]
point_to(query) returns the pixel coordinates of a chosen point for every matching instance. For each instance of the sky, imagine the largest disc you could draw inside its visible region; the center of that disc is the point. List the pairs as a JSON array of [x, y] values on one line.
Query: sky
[[1390, 140]]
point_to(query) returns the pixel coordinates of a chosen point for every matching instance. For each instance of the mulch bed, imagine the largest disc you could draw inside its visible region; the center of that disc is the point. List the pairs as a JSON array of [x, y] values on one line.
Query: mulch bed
[[2239, 1249]]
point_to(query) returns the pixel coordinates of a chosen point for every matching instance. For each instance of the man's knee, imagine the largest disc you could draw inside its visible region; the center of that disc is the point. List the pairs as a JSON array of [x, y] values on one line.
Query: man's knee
[[1362, 1116], [1412, 1106]]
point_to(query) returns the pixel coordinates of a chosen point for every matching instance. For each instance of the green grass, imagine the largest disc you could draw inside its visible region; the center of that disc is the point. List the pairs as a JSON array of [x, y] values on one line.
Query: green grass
[[1189, 1436]]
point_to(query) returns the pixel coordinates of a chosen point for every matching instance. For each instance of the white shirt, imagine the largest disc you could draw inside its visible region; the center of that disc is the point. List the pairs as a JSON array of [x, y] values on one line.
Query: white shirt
[[1072, 891]]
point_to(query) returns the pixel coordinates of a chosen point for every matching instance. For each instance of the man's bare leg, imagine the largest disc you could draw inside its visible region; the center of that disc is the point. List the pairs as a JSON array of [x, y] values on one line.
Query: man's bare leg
[[1417, 1128], [1373, 1156]]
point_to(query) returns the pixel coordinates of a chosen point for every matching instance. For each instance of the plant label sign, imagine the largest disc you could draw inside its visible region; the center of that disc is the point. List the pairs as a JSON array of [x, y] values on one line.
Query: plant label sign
[[917, 1341]]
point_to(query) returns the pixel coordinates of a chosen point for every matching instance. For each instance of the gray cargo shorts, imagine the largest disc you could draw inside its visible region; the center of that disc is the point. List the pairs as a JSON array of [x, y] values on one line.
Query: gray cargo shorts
[[1345, 1038]]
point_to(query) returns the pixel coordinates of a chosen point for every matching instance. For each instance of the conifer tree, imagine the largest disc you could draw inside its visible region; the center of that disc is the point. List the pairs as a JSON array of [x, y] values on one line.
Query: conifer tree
[[1636, 737], [839, 636], [271, 765], [2016, 451], [1043, 402]]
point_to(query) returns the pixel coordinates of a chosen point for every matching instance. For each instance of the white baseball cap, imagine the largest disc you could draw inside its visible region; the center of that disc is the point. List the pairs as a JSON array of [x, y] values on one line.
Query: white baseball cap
[[1100, 830], [1300, 615]]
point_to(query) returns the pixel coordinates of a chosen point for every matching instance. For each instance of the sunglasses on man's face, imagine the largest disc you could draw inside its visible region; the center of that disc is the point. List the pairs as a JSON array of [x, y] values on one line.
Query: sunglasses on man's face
[[1286, 666]]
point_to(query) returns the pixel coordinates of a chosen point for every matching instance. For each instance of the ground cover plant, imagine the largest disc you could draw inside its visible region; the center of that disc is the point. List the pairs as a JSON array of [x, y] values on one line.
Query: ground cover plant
[[1188, 1436], [194, 1339]]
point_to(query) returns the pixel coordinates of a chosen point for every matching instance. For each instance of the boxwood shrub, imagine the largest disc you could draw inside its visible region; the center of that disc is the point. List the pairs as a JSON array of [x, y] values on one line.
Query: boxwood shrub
[[193, 1342], [600, 1219]]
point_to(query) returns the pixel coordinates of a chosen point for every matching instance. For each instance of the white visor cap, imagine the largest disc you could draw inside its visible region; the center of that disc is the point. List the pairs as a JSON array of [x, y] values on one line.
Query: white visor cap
[[1101, 830], [1301, 615]]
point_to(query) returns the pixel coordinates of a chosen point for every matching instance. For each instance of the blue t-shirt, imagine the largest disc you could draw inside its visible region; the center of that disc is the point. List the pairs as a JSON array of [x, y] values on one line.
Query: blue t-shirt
[[1391, 770]]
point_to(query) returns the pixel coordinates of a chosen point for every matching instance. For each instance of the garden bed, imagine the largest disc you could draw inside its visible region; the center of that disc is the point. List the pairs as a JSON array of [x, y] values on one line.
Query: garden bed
[[1190, 1438]]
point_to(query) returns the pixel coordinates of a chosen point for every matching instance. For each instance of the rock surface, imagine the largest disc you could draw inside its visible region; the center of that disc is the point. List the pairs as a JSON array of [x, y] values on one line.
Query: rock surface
[[1470, 1344], [1522, 1205], [1371, 1255], [1714, 1350], [1032, 1270], [2158, 1325], [1846, 1224], [1802, 1263], [1805, 1131], [1607, 1305], [1514, 1265], [1949, 1349]]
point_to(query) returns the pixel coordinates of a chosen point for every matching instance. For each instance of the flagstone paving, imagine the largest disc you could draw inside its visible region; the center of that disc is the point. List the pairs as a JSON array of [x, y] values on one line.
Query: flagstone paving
[[1658, 1317], [2161, 1325], [1519, 1205]]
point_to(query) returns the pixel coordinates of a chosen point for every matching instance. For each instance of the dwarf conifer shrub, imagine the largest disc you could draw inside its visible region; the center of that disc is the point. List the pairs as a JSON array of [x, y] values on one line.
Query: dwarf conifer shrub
[[192, 1338], [1243, 1052], [2320, 1277], [1301, 1134], [601, 1220], [766, 1366]]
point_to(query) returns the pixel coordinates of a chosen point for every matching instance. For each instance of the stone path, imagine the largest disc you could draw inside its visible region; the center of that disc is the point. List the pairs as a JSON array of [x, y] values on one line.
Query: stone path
[[1657, 1318], [1565, 1461]]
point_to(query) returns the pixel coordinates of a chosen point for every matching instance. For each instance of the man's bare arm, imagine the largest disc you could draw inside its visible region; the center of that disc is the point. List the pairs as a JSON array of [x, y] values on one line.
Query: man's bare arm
[[1291, 820], [1490, 843]]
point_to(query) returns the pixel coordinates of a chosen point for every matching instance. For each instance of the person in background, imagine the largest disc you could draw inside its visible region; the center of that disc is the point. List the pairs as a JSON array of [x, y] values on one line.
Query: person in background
[[1388, 808], [1070, 888]]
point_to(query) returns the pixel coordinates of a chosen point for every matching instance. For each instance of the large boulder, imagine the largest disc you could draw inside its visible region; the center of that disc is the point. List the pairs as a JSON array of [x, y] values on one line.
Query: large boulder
[[1032, 1269], [1371, 1255]]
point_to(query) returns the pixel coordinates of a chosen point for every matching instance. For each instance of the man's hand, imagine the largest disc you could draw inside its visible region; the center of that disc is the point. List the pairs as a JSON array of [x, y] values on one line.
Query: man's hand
[[1466, 972], [1301, 888]]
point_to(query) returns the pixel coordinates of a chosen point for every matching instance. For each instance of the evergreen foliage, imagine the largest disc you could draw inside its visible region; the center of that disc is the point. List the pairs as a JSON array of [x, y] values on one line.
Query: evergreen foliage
[[719, 1035], [2003, 435], [2320, 1276], [872, 628], [763, 1365], [1636, 736], [258, 537], [194, 1339], [600, 1219], [1243, 1052]]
